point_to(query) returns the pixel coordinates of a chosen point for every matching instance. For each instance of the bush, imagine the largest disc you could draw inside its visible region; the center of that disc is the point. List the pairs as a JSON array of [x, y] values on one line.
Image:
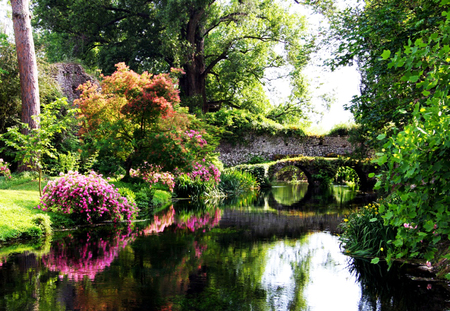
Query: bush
[[343, 129], [236, 182], [258, 171], [185, 186], [86, 198], [153, 174], [239, 122], [364, 233]]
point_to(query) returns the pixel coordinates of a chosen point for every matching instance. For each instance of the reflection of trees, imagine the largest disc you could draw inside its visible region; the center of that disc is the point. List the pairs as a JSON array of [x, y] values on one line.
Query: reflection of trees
[[288, 194]]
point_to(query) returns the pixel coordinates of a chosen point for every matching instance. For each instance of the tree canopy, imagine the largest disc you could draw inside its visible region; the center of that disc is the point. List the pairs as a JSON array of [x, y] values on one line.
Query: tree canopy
[[367, 32], [224, 47]]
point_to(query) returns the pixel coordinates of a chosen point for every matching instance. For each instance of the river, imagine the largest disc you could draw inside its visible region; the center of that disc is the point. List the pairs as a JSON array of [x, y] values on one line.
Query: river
[[276, 250]]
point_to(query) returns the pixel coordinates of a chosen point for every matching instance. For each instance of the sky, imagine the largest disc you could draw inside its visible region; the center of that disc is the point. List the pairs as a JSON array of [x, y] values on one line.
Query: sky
[[342, 84]]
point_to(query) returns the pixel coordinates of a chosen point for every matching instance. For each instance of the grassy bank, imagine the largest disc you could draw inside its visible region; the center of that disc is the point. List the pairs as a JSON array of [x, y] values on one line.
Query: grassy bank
[[20, 221], [18, 218]]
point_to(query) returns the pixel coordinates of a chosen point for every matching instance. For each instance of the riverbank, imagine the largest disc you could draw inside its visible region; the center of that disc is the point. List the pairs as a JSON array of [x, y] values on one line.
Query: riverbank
[[21, 222]]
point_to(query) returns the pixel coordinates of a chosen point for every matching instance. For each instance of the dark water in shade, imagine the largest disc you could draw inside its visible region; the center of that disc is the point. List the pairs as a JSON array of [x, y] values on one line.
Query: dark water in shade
[[274, 251]]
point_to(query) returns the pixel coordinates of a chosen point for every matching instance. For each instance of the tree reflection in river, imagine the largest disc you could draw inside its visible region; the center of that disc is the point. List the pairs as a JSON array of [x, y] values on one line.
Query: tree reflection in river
[[247, 255]]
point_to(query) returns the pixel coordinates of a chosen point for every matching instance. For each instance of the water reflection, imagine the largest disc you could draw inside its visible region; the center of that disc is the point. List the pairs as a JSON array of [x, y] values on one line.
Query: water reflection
[[243, 256]]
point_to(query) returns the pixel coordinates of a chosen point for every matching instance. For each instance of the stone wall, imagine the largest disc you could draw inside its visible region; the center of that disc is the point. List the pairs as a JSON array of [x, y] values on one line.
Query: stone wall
[[69, 76], [268, 146]]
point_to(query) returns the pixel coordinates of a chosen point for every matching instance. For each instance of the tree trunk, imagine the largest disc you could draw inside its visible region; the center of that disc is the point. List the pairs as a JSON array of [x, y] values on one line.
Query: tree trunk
[[28, 72], [27, 61], [193, 84]]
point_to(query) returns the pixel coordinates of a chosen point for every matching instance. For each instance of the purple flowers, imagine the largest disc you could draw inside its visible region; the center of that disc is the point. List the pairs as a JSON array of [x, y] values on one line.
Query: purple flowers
[[90, 198]]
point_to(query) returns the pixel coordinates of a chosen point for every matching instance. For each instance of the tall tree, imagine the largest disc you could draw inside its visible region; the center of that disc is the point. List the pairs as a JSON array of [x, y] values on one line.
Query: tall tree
[[26, 57], [224, 47], [365, 33]]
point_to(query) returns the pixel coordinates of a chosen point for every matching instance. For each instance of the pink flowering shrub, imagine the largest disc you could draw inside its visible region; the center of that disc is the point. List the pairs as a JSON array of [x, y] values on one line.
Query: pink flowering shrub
[[201, 180], [196, 137], [4, 169], [88, 199], [205, 173], [152, 174]]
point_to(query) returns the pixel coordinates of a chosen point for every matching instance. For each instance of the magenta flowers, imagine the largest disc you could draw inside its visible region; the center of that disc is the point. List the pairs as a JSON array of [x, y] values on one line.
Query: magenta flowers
[[89, 199]]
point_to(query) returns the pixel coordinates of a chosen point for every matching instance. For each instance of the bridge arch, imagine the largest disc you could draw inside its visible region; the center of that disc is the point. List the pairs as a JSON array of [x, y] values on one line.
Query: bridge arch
[[317, 169]]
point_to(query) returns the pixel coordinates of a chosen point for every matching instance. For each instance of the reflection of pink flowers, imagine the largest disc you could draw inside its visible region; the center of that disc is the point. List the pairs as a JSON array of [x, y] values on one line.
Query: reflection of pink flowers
[[2, 261], [85, 259], [199, 249], [196, 222], [160, 222]]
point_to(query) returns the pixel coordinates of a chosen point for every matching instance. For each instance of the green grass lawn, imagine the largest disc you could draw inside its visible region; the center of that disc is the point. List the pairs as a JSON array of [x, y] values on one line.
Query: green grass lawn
[[18, 216]]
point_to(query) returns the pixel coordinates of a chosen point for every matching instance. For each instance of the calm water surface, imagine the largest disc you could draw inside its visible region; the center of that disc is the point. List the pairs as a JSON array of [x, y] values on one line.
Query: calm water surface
[[275, 251]]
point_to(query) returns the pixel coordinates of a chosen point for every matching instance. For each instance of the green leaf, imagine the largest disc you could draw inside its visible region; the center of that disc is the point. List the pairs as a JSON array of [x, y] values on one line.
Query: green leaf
[[373, 219], [426, 93], [371, 175], [413, 79], [381, 136], [386, 54], [375, 260]]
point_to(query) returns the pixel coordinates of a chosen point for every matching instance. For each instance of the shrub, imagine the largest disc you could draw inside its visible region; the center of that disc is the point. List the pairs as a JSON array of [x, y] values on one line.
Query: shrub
[[236, 182], [152, 174], [343, 129], [364, 233], [86, 198], [240, 122], [185, 186], [202, 180], [259, 171]]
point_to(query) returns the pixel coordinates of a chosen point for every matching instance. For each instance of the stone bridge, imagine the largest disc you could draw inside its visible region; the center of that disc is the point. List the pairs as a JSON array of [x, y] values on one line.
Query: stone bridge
[[318, 169], [268, 147]]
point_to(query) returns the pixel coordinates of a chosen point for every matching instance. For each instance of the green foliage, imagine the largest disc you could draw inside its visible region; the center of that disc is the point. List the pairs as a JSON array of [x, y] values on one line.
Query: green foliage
[[237, 123], [186, 186], [343, 129], [225, 51], [290, 174], [256, 159], [235, 182], [326, 172], [259, 171], [364, 233], [346, 175], [30, 148], [379, 29], [10, 101], [416, 156]]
